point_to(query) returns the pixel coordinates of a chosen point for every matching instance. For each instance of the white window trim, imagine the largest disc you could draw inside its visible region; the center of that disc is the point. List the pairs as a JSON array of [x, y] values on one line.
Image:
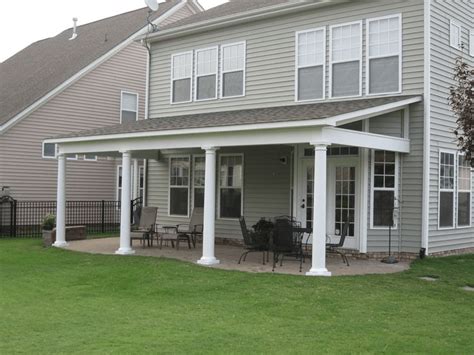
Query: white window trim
[[73, 157], [172, 80], [121, 102], [396, 190], [471, 42], [458, 25], [193, 169], [453, 190], [345, 61], [188, 186], [219, 187], [140, 169], [222, 72], [117, 175], [47, 156], [86, 159], [368, 57], [463, 191], [196, 76], [297, 67]]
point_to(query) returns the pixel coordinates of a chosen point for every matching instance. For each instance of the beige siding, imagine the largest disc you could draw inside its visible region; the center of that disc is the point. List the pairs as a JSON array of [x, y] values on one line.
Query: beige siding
[[93, 101], [271, 55], [266, 187], [443, 121]]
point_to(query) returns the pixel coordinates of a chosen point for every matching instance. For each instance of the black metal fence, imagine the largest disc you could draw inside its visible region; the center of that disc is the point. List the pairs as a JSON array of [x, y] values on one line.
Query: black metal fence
[[22, 219]]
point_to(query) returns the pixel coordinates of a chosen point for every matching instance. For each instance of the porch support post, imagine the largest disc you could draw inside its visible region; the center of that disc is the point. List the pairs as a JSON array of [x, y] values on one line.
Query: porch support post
[[208, 257], [61, 204], [318, 267], [125, 208]]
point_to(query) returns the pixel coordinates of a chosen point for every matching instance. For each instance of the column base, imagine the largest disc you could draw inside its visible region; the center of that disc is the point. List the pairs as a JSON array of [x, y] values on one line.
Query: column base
[[208, 261], [60, 244], [125, 251], [318, 272]]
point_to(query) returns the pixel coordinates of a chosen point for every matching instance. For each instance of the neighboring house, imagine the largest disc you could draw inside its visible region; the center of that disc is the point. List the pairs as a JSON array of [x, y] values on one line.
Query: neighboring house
[[64, 84], [329, 111]]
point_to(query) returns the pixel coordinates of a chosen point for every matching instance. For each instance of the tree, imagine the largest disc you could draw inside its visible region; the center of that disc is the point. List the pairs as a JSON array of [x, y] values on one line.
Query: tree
[[461, 100]]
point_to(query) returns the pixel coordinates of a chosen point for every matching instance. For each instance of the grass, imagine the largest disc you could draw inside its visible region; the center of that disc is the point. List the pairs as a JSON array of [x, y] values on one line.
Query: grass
[[56, 301]]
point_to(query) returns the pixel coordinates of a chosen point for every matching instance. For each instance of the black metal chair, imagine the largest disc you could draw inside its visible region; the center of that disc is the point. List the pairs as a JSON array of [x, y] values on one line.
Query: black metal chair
[[251, 244], [190, 232], [286, 242], [335, 247]]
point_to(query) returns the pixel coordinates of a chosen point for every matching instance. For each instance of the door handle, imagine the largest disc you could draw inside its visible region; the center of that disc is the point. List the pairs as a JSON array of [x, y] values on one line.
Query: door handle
[[303, 205]]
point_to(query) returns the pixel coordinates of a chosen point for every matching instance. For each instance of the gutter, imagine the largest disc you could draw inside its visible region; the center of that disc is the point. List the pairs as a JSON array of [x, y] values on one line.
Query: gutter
[[249, 16]]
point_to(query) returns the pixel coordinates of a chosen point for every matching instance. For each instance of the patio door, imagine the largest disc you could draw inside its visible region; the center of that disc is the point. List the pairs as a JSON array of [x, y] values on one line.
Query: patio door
[[342, 197]]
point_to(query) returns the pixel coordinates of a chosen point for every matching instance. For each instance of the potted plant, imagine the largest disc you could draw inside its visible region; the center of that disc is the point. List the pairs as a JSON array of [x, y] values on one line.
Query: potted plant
[[48, 224]]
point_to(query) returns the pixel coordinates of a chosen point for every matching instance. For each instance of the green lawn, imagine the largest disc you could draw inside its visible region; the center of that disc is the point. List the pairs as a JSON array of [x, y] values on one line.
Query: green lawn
[[55, 301]]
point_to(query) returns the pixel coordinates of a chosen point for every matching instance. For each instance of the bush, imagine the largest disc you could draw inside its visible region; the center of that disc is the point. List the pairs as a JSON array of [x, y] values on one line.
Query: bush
[[49, 222]]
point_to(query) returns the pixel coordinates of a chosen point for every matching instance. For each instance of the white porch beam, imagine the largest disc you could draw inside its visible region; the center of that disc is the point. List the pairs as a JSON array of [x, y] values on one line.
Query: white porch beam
[[318, 267], [125, 207], [208, 257], [244, 138], [61, 204], [366, 140]]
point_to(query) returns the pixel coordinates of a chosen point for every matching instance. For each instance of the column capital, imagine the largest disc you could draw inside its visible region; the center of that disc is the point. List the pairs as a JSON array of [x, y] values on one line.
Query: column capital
[[320, 145], [124, 151], [209, 148], [60, 156]]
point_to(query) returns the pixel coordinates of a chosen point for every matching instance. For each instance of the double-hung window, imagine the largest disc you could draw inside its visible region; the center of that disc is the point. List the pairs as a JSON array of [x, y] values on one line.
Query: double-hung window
[[384, 187], [454, 34], [128, 107], [346, 60], [310, 64], [179, 186], [181, 77], [233, 69], [206, 74], [446, 189], [464, 192], [231, 171], [199, 168], [384, 38]]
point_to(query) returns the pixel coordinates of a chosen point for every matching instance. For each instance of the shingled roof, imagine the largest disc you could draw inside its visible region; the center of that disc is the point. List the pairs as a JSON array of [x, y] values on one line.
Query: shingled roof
[[301, 112], [232, 7], [41, 67]]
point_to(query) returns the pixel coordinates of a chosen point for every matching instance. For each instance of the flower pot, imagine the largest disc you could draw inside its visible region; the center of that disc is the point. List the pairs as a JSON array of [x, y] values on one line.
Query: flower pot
[[49, 237]]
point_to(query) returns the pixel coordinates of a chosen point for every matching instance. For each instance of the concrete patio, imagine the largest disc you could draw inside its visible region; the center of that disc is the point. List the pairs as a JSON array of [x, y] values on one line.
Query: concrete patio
[[229, 256]]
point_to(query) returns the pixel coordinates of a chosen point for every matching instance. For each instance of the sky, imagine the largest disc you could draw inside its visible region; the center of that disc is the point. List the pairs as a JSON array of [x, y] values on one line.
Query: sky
[[23, 22]]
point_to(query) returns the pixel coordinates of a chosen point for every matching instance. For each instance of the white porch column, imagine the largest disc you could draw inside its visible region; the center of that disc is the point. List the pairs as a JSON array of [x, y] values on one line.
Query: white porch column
[[135, 179], [125, 209], [318, 267], [61, 204], [208, 257]]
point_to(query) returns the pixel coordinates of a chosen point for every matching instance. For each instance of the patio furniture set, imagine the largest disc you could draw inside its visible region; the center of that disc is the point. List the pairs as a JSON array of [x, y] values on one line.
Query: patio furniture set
[[283, 236]]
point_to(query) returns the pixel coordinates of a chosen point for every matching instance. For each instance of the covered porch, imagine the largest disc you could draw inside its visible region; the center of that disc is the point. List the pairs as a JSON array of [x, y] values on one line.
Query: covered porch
[[306, 131]]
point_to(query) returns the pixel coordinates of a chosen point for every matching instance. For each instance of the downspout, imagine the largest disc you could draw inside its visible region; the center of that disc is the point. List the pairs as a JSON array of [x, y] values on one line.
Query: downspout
[[426, 128]]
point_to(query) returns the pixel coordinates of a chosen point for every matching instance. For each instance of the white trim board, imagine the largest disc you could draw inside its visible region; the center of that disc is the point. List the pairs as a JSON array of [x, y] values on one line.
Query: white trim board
[[58, 89], [331, 121]]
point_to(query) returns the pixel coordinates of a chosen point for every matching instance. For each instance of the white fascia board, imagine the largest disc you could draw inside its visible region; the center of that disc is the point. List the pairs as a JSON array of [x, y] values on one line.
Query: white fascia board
[[324, 135], [331, 121], [58, 89], [230, 20]]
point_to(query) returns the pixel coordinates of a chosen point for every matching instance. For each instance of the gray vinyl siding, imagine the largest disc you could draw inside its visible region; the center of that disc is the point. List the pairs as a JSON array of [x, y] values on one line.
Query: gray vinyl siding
[[443, 121], [266, 187], [270, 65], [407, 238], [92, 101]]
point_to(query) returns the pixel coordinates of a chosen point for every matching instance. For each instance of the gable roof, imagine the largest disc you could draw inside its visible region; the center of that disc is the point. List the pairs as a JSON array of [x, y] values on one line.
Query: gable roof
[[282, 115], [42, 66]]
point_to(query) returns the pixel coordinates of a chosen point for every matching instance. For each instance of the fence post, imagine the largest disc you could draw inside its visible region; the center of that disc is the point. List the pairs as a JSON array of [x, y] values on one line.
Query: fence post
[[103, 217], [14, 218], [131, 211]]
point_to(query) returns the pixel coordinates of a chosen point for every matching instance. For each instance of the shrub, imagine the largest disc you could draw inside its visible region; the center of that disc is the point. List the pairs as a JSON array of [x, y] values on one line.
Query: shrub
[[49, 222]]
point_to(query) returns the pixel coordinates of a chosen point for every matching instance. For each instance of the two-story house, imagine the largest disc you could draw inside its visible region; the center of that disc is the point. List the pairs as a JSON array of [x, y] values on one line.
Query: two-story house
[[328, 111], [86, 77]]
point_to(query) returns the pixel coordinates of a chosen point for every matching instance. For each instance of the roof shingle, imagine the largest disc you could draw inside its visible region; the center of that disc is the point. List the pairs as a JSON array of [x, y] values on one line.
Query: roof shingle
[[42, 66]]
